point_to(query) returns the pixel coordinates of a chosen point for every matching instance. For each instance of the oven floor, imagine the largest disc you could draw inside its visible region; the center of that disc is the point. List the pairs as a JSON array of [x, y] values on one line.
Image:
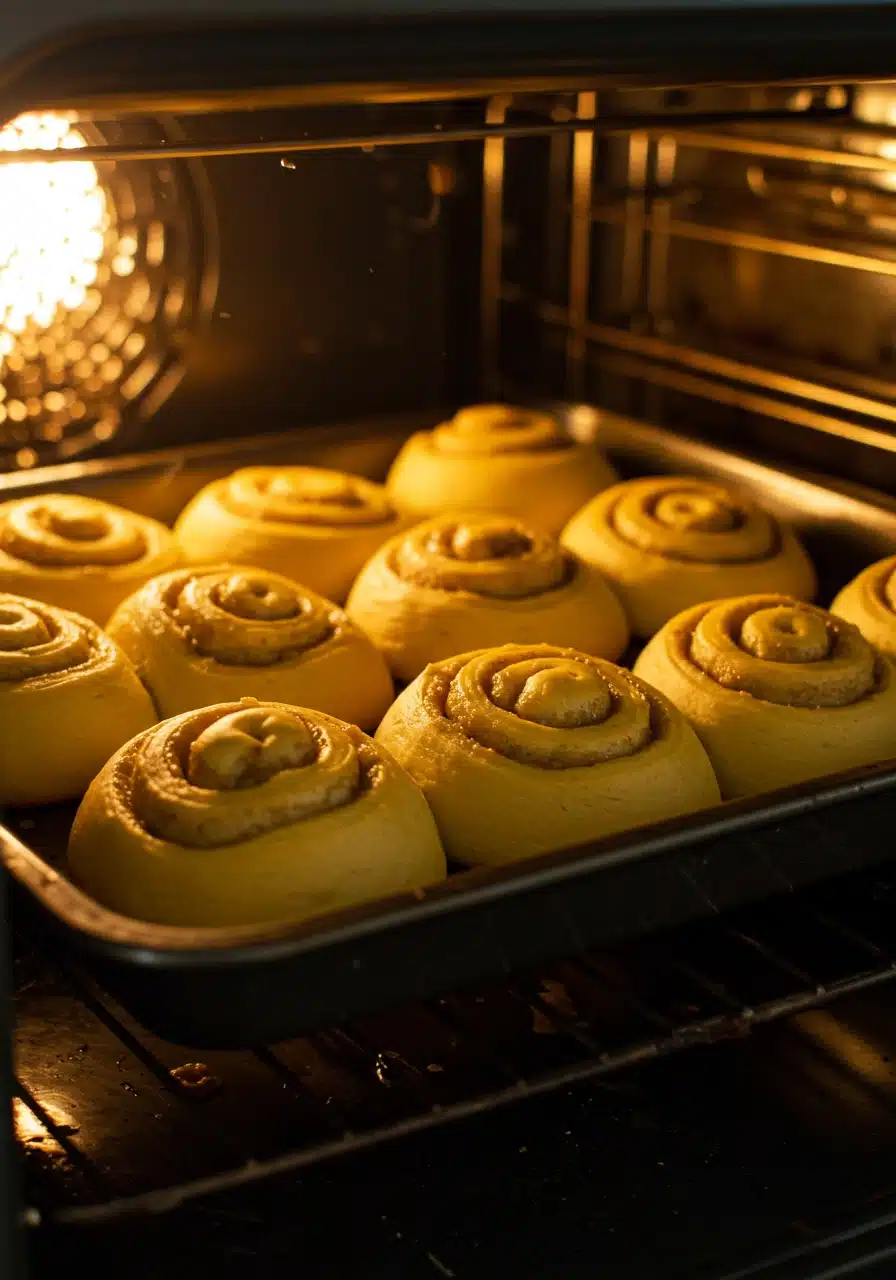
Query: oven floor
[[669, 1170]]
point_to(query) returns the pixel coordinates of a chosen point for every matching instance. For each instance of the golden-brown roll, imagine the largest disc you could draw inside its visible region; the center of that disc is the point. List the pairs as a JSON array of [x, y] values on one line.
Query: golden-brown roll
[[457, 583], [206, 635], [68, 699], [80, 553], [869, 603], [317, 527], [779, 691], [499, 458], [528, 748], [247, 813], [666, 543]]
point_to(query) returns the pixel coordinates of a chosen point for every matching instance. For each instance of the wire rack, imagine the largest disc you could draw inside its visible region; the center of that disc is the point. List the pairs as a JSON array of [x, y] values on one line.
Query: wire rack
[[113, 1120], [649, 200]]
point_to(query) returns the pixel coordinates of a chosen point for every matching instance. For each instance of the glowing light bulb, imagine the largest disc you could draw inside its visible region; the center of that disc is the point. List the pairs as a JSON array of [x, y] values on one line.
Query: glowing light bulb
[[53, 225]]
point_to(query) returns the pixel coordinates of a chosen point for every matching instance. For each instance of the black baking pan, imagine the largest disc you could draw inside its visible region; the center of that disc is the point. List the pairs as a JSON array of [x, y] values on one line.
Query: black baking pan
[[239, 987]]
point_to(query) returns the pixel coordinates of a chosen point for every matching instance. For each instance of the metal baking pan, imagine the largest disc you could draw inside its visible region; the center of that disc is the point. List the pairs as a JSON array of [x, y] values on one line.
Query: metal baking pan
[[231, 988]]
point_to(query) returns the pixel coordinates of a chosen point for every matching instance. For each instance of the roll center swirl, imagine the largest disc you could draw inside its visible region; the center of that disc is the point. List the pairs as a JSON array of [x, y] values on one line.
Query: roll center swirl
[[306, 496], [499, 428], [693, 521], [37, 640], [696, 510], [247, 597], [61, 530], [782, 634], [20, 628], [247, 748], [494, 541], [548, 708], [246, 618], [337, 490], [228, 773], [497, 557], [782, 651], [565, 696]]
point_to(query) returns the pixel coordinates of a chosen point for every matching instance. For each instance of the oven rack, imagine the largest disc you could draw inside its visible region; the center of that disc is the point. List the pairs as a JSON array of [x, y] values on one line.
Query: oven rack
[[108, 1131], [650, 123]]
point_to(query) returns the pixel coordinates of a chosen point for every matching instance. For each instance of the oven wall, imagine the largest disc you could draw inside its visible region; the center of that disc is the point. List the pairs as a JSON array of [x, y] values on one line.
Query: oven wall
[[736, 282]]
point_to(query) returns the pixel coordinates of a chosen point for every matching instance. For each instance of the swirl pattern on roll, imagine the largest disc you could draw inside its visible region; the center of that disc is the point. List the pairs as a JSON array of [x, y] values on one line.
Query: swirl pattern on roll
[[79, 553], [306, 496], [209, 778], [869, 602], [484, 429], [208, 635], [525, 748], [64, 530], [550, 711], [68, 699], [785, 652], [247, 618], [778, 690], [37, 640], [497, 557], [666, 543], [692, 520]]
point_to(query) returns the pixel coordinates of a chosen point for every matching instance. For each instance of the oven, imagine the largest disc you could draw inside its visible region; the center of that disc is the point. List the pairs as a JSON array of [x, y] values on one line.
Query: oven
[[299, 240]]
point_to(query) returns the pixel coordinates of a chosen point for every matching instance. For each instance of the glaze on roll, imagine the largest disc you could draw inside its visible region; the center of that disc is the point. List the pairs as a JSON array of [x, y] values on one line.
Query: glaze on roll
[[779, 691], [498, 458], [869, 602], [455, 583], [315, 526], [527, 748], [80, 553], [206, 635], [249, 813], [666, 543], [69, 698]]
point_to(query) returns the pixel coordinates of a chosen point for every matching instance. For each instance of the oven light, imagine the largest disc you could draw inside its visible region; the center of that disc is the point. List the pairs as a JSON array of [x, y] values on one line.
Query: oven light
[[52, 232]]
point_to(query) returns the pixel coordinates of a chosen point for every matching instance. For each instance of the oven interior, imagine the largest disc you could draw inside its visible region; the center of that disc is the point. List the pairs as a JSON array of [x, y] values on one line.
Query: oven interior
[[719, 261]]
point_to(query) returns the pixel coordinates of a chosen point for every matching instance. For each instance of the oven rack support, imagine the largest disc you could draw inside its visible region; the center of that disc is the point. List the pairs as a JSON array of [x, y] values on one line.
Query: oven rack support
[[652, 124]]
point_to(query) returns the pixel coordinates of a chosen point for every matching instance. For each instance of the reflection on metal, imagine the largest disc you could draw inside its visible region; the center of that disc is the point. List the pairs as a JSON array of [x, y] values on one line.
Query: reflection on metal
[[580, 245], [666, 123], [749, 401], [724, 367], [851, 1049], [635, 213], [770, 149], [738, 239], [492, 245]]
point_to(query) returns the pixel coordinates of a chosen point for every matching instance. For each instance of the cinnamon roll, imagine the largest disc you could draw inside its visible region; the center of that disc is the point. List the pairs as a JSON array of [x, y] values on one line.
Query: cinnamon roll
[[313, 525], [248, 813], [499, 458], [206, 635], [69, 698], [528, 748], [779, 691], [80, 553], [869, 602], [456, 583], [667, 543]]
